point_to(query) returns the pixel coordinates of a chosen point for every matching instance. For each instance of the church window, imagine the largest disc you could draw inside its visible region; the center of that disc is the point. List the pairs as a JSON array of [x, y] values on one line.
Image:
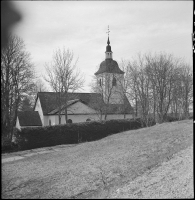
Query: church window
[[114, 82], [49, 122], [88, 120], [69, 121]]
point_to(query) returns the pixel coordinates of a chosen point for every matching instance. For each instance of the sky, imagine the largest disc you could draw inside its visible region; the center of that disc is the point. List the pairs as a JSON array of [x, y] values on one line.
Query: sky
[[81, 26]]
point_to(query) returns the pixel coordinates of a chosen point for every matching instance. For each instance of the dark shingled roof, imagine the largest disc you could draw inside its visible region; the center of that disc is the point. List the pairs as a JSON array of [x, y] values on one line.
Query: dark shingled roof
[[109, 66], [69, 103], [98, 104], [48, 102], [29, 118]]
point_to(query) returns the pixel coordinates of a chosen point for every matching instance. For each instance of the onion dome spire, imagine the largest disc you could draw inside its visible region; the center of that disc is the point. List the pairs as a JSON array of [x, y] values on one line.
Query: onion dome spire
[[108, 47], [108, 42], [109, 65]]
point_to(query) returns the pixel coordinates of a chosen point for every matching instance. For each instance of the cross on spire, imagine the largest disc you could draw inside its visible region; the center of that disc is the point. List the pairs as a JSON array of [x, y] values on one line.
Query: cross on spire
[[108, 31]]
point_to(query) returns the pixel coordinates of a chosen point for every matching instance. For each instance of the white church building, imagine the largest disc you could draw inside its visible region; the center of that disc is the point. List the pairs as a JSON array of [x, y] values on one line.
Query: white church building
[[82, 107]]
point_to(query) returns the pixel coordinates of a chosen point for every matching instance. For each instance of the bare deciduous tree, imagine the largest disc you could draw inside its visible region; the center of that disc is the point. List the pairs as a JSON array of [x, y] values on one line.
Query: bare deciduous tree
[[26, 104], [160, 84], [17, 75], [139, 87], [157, 85], [63, 76], [40, 86], [98, 104], [105, 84], [161, 70], [125, 83], [183, 91]]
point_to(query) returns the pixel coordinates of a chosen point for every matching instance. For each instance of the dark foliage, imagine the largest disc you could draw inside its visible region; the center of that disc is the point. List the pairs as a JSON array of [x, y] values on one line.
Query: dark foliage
[[30, 138], [8, 146], [170, 118]]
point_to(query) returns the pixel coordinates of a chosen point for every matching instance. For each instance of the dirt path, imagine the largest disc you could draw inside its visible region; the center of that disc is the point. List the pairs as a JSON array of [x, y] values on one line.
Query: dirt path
[[173, 179]]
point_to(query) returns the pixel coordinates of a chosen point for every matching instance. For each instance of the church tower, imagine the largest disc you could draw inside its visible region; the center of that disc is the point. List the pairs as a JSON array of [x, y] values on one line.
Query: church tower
[[110, 78]]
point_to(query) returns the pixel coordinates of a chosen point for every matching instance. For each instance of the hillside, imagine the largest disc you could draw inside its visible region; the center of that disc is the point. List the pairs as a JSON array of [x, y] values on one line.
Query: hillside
[[94, 169]]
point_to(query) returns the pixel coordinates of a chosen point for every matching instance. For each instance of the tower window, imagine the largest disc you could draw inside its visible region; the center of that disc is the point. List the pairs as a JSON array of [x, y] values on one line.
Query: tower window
[[100, 82], [114, 82]]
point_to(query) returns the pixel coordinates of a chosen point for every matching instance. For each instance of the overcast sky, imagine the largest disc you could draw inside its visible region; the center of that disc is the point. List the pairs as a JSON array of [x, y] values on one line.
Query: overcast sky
[[81, 26]]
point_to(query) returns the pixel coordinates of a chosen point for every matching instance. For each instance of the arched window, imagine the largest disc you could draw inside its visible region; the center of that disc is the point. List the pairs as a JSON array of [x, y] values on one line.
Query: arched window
[[88, 120], [100, 82], [49, 122], [69, 121], [114, 82]]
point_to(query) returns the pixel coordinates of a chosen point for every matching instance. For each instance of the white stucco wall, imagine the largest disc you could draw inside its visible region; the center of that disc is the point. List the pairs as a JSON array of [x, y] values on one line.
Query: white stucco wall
[[77, 112], [54, 120], [191, 108], [18, 124], [116, 96], [74, 118], [82, 118], [39, 109], [50, 117], [120, 116]]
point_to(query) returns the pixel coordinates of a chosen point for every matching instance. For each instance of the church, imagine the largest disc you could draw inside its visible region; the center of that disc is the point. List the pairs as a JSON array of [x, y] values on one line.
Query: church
[[109, 102]]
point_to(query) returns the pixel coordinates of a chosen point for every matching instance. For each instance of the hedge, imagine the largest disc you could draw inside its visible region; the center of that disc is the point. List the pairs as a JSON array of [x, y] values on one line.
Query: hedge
[[7, 145], [30, 138], [170, 118]]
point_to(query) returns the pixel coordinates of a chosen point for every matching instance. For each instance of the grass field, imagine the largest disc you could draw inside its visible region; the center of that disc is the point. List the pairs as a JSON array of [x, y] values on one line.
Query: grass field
[[92, 169]]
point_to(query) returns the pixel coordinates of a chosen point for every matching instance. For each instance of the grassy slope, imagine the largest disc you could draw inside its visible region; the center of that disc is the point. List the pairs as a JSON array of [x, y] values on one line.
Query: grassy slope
[[172, 180], [82, 171]]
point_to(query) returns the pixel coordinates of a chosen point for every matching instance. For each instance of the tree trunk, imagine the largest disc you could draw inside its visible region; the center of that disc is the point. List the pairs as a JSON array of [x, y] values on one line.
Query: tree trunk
[[59, 104], [59, 117], [154, 104], [124, 116], [14, 118], [66, 115], [136, 107]]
